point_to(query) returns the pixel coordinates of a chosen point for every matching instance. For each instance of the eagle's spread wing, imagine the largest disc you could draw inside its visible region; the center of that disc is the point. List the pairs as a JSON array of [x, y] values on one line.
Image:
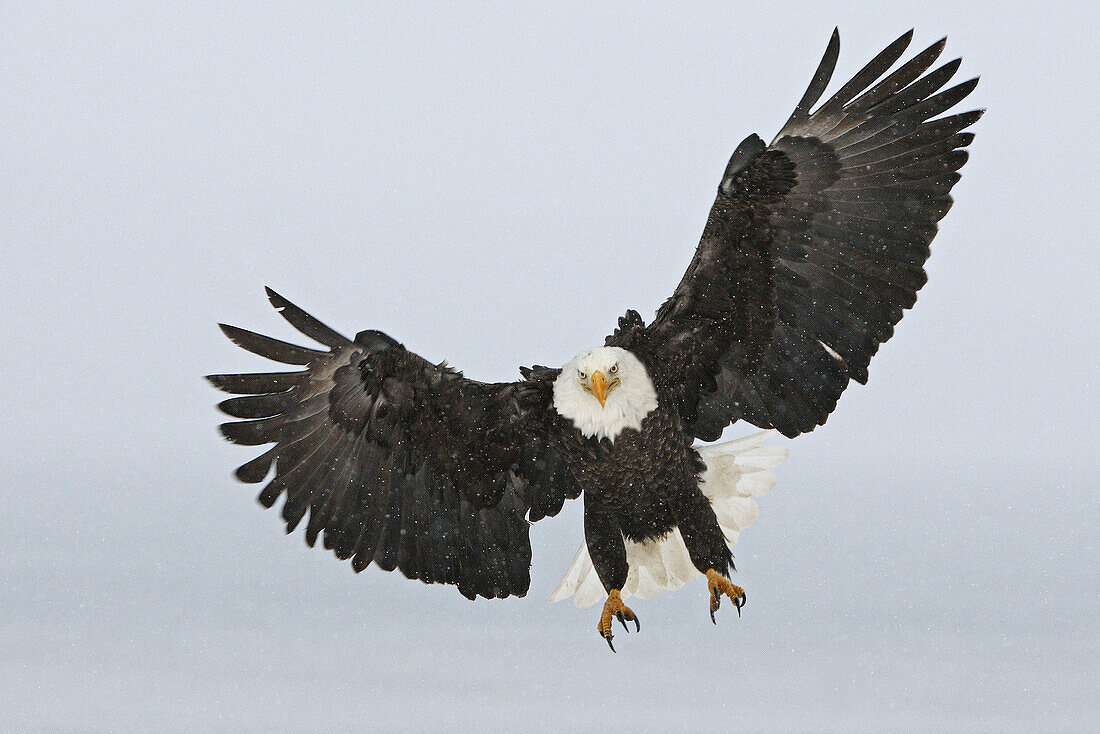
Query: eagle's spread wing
[[397, 460], [813, 249]]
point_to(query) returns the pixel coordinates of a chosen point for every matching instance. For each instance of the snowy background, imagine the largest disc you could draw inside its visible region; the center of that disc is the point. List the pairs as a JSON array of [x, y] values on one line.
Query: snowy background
[[928, 560]]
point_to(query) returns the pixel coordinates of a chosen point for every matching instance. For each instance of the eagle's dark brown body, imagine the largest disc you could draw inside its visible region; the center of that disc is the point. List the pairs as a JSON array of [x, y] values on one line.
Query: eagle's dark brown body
[[641, 486]]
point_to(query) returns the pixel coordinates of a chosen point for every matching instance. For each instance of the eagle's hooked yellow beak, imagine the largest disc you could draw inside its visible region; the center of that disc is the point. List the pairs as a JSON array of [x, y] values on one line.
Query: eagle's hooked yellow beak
[[599, 387]]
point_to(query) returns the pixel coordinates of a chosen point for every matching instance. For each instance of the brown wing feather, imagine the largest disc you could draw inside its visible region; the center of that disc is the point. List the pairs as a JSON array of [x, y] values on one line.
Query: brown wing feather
[[813, 250], [396, 460]]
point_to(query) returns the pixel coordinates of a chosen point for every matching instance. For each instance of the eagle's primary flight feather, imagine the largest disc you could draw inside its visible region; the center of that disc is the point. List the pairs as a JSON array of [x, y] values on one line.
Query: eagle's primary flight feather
[[812, 251]]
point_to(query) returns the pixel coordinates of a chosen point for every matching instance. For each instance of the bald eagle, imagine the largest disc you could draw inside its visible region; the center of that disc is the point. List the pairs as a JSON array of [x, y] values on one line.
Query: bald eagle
[[813, 250]]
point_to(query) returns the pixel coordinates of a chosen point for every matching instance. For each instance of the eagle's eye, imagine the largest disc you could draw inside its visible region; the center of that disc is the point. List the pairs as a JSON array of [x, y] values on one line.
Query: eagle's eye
[[614, 369], [580, 374]]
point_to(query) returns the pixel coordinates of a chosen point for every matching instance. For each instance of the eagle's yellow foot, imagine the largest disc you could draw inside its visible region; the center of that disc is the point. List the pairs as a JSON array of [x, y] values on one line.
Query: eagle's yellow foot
[[614, 607], [718, 585]]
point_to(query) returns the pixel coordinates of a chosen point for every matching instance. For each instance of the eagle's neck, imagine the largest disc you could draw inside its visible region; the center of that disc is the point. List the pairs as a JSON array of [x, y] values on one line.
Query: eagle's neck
[[626, 406]]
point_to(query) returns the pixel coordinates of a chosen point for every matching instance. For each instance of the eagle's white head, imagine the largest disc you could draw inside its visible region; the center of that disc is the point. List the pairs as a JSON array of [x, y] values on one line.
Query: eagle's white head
[[604, 390]]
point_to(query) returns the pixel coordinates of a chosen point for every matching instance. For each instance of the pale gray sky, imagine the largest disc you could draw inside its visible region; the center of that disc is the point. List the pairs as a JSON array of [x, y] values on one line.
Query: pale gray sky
[[928, 560]]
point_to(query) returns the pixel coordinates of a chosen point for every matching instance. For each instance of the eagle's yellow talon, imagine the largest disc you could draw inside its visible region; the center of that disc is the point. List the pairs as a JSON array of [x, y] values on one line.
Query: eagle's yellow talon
[[719, 585], [614, 608]]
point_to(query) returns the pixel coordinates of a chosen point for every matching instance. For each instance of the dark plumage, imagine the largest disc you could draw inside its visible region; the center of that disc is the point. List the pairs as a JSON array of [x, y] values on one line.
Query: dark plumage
[[811, 253], [398, 461]]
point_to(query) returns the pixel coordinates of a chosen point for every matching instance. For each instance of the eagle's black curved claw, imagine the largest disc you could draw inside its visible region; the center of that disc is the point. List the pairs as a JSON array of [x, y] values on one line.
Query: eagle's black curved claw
[[637, 624], [721, 586], [614, 608], [712, 620]]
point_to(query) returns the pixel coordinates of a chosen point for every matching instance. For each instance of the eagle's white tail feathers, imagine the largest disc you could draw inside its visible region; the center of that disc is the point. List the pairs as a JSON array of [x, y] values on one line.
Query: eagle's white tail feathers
[[736, 472]]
